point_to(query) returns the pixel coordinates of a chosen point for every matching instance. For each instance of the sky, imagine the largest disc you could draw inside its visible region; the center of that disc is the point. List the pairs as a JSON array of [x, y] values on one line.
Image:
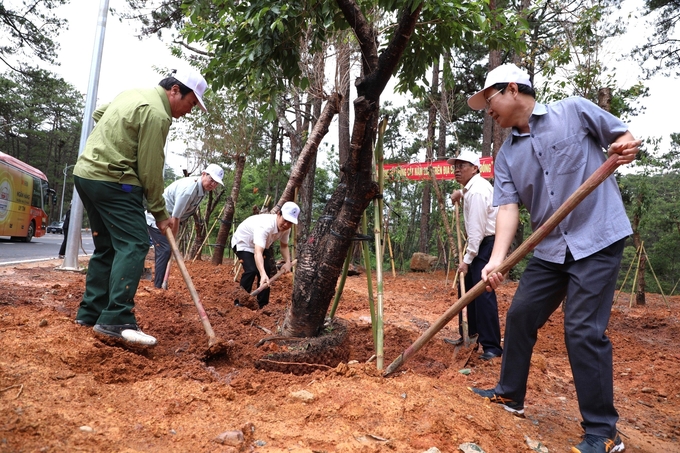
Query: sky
[[128, 62]]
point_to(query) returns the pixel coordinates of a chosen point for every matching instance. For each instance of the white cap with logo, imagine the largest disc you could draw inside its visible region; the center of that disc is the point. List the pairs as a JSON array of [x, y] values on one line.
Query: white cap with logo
[[194, 81], [215, 172], [504, 73], [290, 212], [465, 156]]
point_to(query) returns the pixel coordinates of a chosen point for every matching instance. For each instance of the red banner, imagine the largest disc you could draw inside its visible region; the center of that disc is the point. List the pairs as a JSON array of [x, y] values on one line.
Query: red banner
[[442, 170]]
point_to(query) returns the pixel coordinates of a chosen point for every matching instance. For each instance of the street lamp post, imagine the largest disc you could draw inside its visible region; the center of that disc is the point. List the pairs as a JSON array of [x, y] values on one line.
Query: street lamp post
[[63, 189]]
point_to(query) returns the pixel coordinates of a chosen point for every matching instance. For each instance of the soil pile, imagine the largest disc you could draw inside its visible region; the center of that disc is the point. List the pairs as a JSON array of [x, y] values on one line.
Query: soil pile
[[64, 390]]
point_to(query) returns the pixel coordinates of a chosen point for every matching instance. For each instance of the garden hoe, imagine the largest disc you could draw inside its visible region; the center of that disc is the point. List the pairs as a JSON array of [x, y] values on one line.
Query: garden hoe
[[249, 300], [215, 346], [601, 174], [463, 351]]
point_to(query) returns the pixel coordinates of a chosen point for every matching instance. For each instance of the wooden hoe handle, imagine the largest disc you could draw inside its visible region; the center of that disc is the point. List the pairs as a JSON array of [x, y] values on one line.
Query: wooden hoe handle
[[601, 174]]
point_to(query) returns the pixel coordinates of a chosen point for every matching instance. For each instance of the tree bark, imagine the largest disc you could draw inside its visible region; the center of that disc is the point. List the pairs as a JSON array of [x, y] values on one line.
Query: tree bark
[[322, 255], [426, 204], [344, 53], [306, 194]]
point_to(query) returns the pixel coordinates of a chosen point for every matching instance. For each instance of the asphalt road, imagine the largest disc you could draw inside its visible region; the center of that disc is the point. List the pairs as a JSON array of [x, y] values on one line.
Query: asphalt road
[[39, 249]]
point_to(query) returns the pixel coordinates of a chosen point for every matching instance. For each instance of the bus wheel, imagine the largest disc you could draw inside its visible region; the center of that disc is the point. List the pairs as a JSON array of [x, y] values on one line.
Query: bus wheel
[[29, 233]]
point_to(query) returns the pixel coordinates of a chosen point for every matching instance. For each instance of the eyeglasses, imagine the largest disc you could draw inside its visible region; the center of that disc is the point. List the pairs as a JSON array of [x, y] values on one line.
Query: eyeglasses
[[461, 165], [488, 100]]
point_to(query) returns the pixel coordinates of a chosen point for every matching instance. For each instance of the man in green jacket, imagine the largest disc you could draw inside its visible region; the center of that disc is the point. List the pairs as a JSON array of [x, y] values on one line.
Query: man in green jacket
[[122, 165]]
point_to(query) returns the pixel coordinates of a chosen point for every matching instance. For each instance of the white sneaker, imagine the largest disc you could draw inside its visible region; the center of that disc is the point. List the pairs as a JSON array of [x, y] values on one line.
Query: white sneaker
[[129, 333]]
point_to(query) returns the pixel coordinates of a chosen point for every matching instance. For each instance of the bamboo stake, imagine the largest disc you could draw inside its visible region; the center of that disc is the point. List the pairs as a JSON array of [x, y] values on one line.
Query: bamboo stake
[[448, 265], [442, 206], [635, 277], [377, 227], [532, 241], [654, 274], [386, 229], [674, 287], [341, 284], [237, 269], [207, 236], [369, 276], [626, 277], [466, 334]]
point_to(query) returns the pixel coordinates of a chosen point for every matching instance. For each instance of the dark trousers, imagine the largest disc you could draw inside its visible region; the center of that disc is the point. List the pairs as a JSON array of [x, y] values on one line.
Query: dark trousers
[[482, 313], [588, 285], [251, 274], [162, 253], [121, 242], [62, 249]]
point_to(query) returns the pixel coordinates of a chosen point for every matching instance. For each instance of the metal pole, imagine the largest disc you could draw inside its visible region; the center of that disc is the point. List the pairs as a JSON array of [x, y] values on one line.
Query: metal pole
[[76, 220], [63, 189]]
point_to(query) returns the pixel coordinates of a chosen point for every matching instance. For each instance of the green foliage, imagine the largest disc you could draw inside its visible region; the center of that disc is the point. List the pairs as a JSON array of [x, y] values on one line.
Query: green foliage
[[40, 124], [28, 32], [448, 25], [256, 46], [661, 52], [655, 198]]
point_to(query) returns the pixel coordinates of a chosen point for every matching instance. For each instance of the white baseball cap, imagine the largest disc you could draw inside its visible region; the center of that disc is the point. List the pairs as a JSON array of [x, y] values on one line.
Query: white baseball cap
[[465, 156], [215, 172], [194, 81], [504, 73], [290, 212]]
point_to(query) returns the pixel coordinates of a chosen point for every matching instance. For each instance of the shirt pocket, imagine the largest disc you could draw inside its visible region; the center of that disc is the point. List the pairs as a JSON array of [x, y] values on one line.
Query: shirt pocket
[[568, 155]]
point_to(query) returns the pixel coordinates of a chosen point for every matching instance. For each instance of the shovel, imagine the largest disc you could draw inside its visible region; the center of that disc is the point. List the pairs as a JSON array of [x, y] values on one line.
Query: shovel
[[528, 245], [214, 345]]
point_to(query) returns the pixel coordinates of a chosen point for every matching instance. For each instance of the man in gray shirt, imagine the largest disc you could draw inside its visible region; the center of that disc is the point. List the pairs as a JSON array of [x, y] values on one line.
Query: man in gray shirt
[[182, 199], [551, 151]]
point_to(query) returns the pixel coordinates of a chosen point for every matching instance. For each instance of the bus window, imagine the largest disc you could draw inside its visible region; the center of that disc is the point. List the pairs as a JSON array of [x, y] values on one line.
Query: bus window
[[37, 198]]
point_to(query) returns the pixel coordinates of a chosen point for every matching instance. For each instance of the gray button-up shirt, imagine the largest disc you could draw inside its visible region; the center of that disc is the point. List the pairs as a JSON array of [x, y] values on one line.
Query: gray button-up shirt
[[543, 168]]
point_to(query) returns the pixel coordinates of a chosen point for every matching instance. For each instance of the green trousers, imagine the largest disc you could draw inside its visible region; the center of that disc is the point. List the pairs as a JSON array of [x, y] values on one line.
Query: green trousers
[[121, 242]]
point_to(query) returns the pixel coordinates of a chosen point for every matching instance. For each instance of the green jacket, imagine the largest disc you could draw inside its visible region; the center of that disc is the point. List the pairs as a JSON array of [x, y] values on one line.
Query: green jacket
[[127, 144]]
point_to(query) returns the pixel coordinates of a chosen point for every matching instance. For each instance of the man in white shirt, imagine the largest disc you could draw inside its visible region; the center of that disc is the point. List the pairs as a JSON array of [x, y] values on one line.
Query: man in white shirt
[[182, 199], [480, 225], [252, 243]]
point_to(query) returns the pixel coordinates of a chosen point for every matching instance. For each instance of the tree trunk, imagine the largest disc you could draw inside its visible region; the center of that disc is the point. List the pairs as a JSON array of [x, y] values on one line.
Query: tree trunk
[[202, 223], [272, 155], [304, 161], [424, 242], [306, 194], [228, 214], [443, 113], [321, 257], [344, 53]]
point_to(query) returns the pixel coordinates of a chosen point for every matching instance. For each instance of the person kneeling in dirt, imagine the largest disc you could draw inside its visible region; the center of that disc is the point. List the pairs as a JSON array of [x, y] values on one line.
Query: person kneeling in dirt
[[252, 243], [182, 199], [552, 150]]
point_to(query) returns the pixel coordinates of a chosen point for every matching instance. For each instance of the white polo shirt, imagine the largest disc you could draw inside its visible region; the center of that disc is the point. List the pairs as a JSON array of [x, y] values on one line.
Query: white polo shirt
[[259, 229]]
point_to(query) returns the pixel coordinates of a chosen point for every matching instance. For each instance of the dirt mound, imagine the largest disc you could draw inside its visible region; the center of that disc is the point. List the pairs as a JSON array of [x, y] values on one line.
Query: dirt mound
[[64, 390]]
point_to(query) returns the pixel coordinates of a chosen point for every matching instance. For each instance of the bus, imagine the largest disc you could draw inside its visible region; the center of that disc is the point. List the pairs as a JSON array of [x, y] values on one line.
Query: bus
[[24, 196]]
